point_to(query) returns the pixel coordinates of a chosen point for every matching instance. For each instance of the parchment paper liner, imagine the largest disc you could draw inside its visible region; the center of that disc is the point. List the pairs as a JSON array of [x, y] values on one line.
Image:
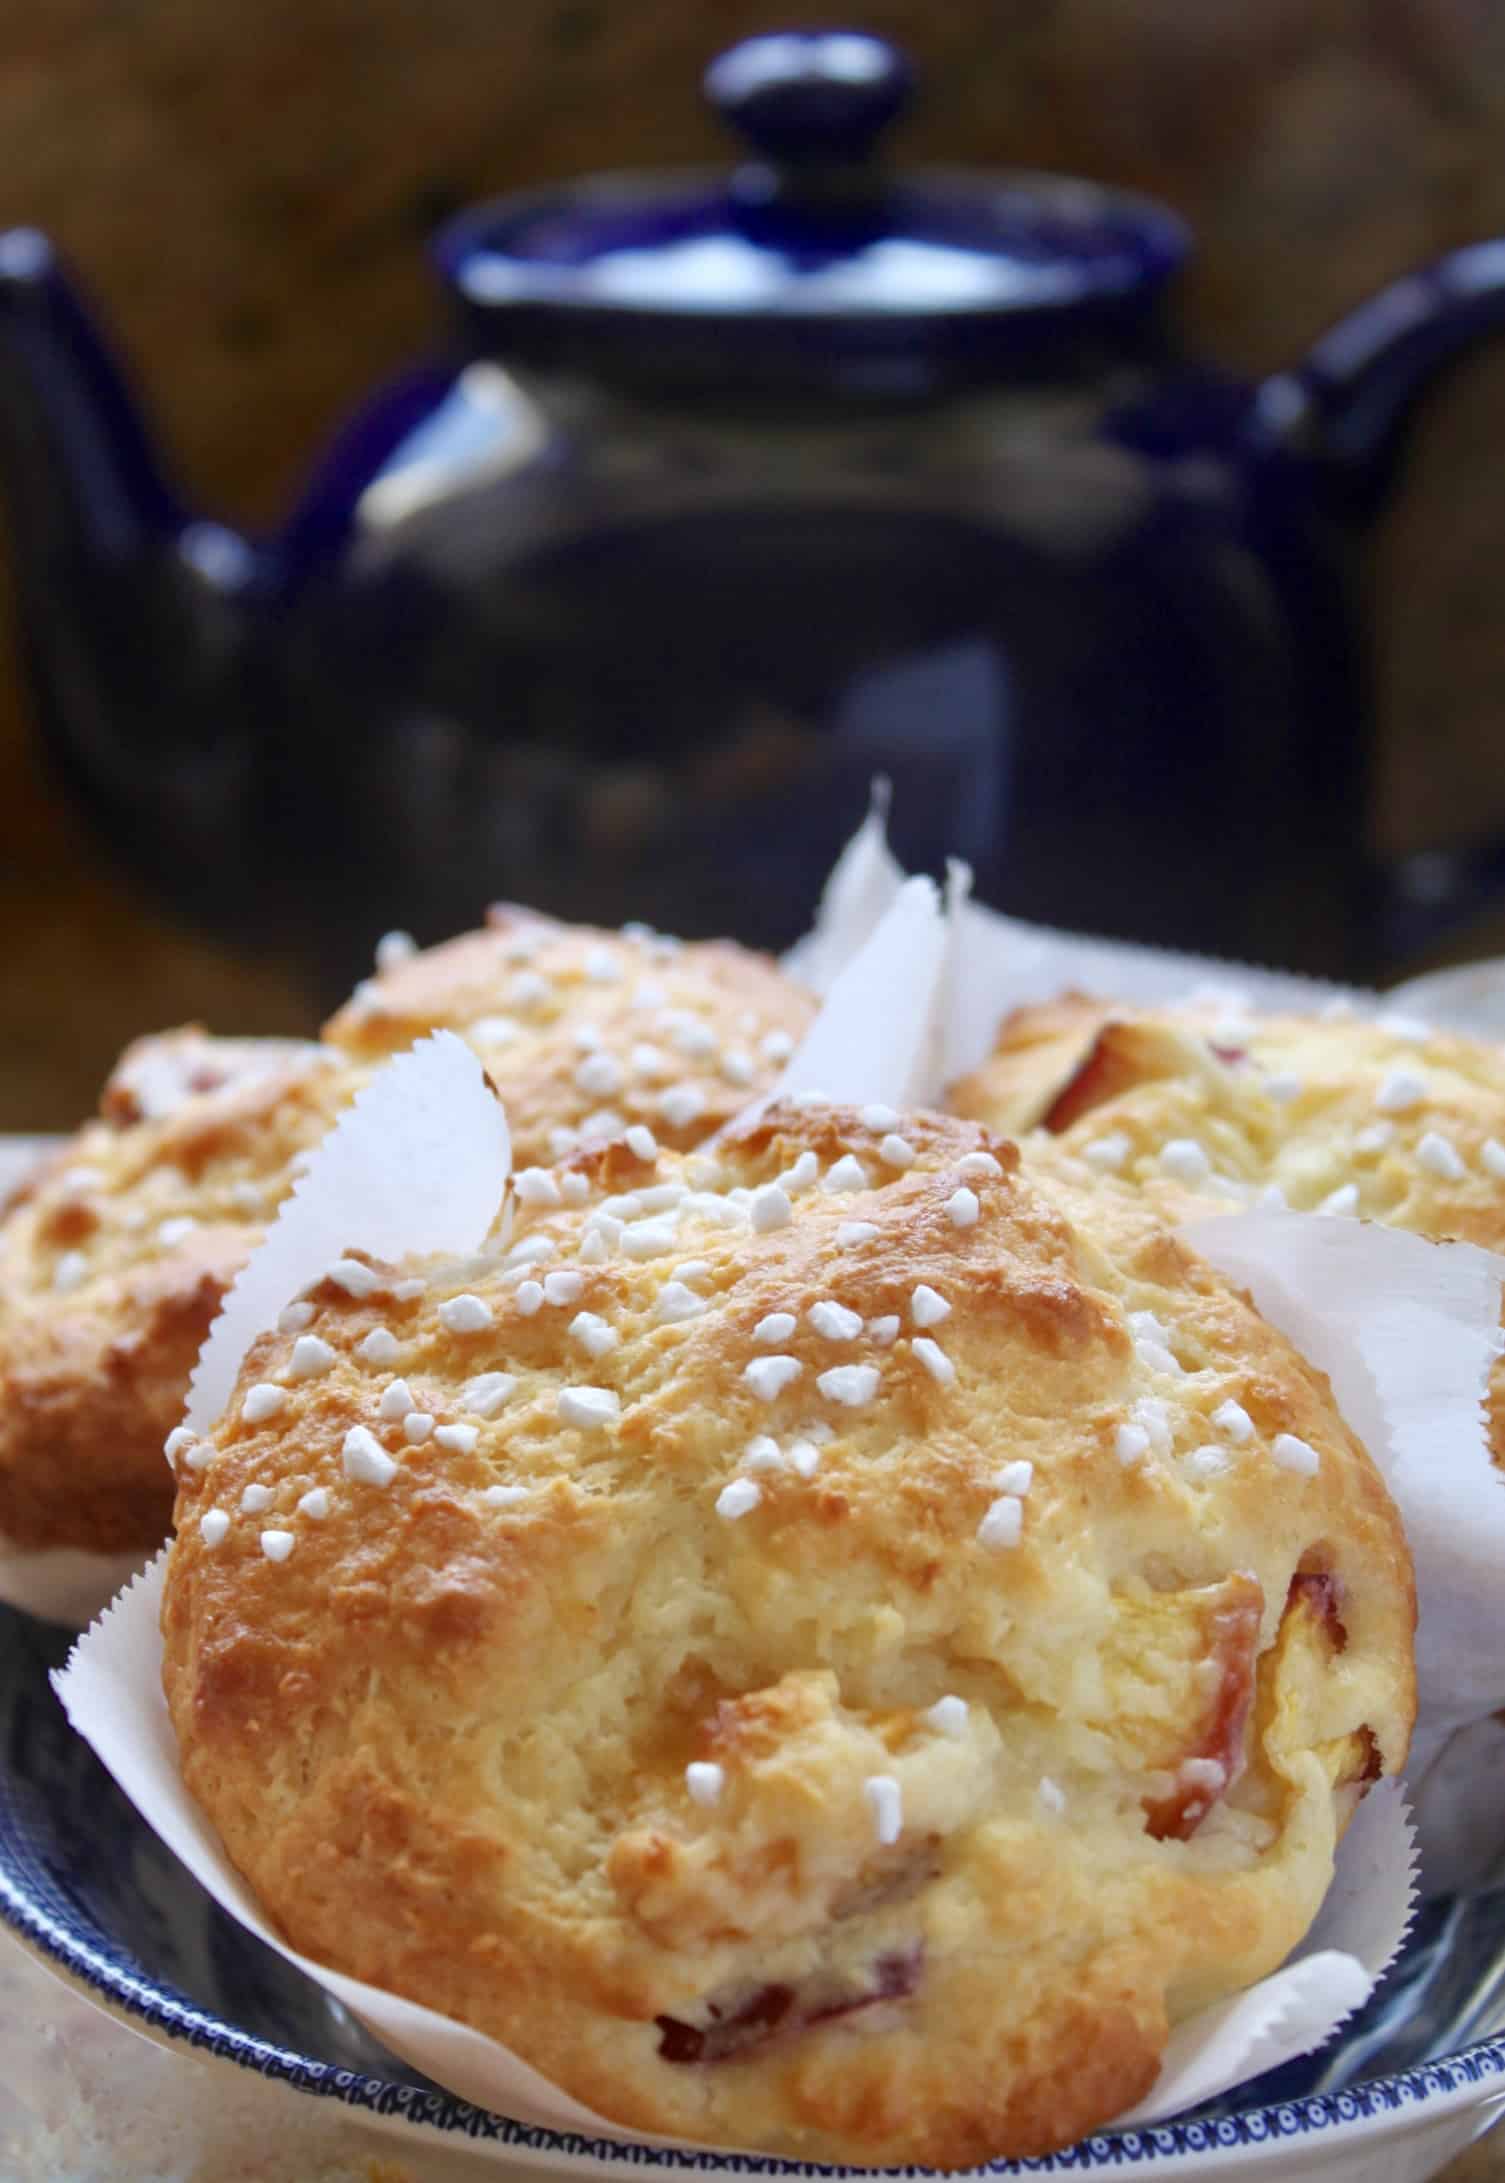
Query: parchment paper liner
[[422, 1114]]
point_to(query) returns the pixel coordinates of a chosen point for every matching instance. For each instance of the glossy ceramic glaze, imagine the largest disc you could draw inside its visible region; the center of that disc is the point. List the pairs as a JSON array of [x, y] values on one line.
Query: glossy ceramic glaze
[[86, 1885], [723, 493]]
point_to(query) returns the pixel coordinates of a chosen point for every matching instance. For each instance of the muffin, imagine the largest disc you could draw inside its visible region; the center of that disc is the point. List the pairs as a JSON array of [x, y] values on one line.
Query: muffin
[[591, 1032], [1196, 1110], [114, 1258], [814, 1644]]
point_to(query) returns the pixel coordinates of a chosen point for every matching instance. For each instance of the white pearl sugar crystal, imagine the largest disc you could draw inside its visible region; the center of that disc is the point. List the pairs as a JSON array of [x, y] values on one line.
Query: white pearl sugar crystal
[[770, 1209], [465, 1314], [740, 1498], [310, 1359], [767, 1377], [589, 1407], [1401, 1090], [886, 1804], [676, 1302], [365, 1460], [704, 1780], [847, 1173], [948, 1716], [927, 1307], [1441, 1157], [262, 1401], [852, 1385], [1132, 1445], [834, 1322], [1234, 1420], [1003, 1522], [485, 1394], [935, 1360]]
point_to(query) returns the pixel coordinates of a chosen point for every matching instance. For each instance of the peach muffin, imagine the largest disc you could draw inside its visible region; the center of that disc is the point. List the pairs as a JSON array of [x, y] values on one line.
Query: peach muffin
[[815, 1643]]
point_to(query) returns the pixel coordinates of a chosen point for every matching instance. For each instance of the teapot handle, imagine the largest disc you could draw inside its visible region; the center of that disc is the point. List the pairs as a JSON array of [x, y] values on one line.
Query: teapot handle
[[1348, 405], [1346, 412]]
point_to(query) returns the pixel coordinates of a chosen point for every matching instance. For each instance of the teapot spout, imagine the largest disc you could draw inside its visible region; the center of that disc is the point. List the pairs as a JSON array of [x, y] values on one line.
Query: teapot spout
[[1349, 405], [77, 451]]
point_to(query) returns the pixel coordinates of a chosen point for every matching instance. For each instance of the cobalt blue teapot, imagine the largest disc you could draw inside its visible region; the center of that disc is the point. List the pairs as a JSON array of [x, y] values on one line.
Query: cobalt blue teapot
[[725, 494]]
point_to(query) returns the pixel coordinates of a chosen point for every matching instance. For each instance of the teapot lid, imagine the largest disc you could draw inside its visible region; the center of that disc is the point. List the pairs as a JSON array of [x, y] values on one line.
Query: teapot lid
[[811, 261]]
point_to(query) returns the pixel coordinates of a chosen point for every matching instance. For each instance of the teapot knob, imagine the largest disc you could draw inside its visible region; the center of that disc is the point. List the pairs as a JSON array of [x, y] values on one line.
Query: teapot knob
[[810, 98]]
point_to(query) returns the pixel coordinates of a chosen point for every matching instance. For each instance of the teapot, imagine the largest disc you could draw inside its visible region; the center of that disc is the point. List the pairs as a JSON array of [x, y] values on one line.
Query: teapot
[[724, 495]]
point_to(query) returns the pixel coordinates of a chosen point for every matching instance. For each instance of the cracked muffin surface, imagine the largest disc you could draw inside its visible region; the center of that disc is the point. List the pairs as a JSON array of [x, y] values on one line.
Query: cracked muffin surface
[[818, 1644]]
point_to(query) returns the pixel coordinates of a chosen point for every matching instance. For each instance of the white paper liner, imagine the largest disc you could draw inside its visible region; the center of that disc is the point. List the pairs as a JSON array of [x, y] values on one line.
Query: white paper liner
[[1461, 1810], [1406, 1331], [1003, 962], [1356, 1937], [863, 883], [1469, 998], [881, 1032], [417, 1162]]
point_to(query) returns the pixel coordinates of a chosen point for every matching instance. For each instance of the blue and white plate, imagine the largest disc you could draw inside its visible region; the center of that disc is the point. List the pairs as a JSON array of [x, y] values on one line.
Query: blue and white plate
[[87, 1886]]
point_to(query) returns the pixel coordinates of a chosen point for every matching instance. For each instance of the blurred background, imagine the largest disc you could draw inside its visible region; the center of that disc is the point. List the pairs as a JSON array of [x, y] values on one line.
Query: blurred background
[[245, 190]]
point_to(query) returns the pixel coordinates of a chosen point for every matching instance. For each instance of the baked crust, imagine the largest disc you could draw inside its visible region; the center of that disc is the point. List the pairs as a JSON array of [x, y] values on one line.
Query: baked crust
[[682, 1033], [1385, 1120], [446, 1738]]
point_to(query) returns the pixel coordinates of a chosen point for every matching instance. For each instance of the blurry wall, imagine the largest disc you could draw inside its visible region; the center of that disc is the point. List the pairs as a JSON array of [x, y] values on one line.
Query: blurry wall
[[245, 187]]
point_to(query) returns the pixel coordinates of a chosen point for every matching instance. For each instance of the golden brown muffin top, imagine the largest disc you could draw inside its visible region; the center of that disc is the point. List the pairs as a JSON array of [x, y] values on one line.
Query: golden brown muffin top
[[1199, 1110], [1384, 1118], [804, 1641], [587, 1032]]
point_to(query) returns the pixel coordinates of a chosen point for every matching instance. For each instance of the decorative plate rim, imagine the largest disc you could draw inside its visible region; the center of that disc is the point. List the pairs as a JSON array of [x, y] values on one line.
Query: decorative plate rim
[[159, 2012]]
